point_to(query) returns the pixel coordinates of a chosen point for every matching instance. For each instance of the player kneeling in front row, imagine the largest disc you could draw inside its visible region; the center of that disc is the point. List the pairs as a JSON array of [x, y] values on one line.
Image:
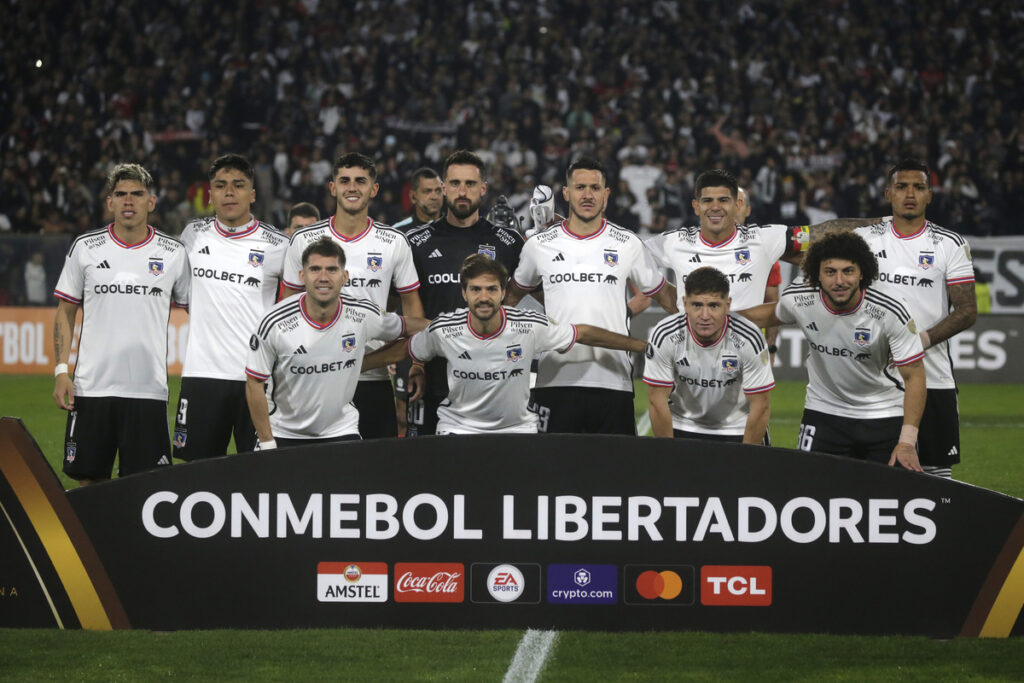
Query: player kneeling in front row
[[717, 362], [856, 404], [313, 346], [489, 348]]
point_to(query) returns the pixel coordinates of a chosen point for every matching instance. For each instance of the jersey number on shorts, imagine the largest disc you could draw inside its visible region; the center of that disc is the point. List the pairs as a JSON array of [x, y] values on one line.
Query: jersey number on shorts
[[182, 410], [806, 437]]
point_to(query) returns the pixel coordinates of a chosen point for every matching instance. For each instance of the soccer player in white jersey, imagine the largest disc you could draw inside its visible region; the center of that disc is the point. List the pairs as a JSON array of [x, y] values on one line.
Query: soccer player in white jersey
[[313, 345], [856, 404], [236, 263], [489, 348], [377, 257], [718, 365], [744, 253], [930, 267], [125, 278], [582, 264]]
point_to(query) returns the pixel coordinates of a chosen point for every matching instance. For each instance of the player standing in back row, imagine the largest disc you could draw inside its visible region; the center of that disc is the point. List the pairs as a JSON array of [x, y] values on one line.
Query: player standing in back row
[[376, 257], [439, 248], [236, 265], [930, 267], [582, 264], [125, 278]]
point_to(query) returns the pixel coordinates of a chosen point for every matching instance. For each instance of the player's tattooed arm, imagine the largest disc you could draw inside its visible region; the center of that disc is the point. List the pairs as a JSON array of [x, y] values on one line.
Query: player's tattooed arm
[[964, 314]]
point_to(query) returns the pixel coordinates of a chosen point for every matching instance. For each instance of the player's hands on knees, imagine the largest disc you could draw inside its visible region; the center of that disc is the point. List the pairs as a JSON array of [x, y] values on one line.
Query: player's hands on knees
[[64, 392], [906, 455], [417, 382]]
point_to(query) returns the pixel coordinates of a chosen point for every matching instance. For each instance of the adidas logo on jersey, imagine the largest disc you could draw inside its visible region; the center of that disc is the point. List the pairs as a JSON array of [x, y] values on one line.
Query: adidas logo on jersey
[[435, 254], [684, 361], [103, 264], [880, 254], [812, 326], [301, 349], [560, 257], [465, 355], [205, 250], [695, 259]]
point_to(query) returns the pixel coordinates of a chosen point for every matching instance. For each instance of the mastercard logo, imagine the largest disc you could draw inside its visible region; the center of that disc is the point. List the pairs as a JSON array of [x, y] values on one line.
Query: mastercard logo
[[666, 585]]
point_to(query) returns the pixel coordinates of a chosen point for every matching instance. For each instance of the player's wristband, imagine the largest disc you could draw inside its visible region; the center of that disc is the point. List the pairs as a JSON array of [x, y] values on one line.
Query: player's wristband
[[772, 348], [61, 369], [908, 435], [266, 445]]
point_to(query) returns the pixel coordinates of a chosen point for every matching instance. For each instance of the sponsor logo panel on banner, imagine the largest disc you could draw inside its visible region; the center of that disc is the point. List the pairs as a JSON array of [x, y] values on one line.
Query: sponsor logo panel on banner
[[583, 584], [352, 582], [430, 582]]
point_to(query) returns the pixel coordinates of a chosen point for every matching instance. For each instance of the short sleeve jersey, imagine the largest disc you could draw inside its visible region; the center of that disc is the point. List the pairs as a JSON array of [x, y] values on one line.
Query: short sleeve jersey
[[438, 250], [235, 276], [375, 259], [746, 257], [315, 367], [711, 381], [584, 281], [918, 268], [489, 377], [848, 359], [126, 292]]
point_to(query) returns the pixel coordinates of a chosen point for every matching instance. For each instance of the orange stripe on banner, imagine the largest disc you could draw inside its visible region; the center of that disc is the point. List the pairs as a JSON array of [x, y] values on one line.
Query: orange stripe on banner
[[73, 575], [1008, 603]]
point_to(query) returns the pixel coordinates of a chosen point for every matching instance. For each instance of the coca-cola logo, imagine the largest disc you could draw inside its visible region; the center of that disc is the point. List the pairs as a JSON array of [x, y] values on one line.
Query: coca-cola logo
[[430, 582]]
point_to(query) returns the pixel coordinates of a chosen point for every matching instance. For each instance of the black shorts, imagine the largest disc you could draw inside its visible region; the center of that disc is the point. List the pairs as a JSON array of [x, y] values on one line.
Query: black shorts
[[938, 442], [209, 411], [135, 429], [375, 401], [421, 416], [869, 439], [729, 438], [571, 410], [402, 379], [283, 441]]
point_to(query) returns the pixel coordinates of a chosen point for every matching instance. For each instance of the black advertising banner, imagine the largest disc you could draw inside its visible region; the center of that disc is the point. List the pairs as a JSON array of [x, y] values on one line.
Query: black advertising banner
[[568, 532]]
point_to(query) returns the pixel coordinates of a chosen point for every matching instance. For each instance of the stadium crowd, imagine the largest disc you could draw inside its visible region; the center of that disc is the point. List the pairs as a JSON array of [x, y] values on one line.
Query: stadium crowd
[[805, 103]]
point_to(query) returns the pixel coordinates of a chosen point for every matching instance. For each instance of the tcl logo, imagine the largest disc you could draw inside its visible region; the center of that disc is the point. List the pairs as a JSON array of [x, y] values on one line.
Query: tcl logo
[[429, 582], [734, 585]]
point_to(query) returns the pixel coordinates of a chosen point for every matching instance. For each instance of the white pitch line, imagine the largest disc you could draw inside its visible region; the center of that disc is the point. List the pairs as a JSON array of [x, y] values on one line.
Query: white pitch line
[[532, 653]]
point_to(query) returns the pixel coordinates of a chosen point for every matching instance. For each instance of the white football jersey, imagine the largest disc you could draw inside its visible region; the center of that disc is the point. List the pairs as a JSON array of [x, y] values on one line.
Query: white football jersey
[[489, 377], [584, 281], [746, 257], [918, 268], [235, 276], [315, 368], [711, 382], [848, 362], [375, 259], [126, 293]]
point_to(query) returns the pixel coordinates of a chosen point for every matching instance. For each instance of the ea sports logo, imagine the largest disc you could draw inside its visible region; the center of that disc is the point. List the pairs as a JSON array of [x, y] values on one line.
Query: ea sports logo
[[652, 585], [505, 583]]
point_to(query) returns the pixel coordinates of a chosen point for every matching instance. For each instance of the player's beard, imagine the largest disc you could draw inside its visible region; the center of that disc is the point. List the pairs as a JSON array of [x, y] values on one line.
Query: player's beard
[[596, 217], [464, 213], [853, 296]]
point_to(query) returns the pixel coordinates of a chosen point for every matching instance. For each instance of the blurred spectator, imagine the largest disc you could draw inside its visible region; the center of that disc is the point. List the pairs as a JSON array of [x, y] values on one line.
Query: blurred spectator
[[773, 94], [36, 292]]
